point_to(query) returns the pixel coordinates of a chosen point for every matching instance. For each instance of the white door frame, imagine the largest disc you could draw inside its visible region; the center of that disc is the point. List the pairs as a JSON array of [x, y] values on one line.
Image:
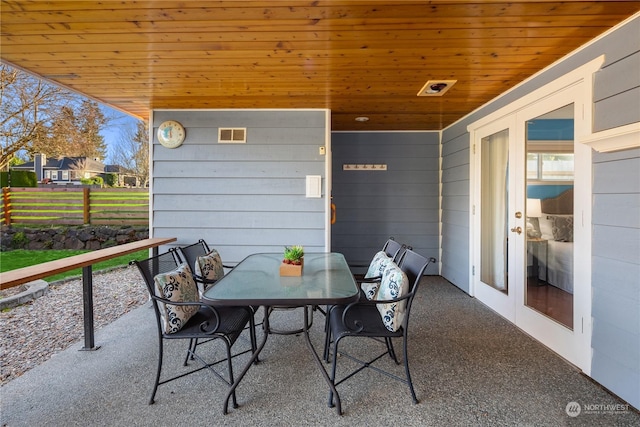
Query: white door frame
[[577, 87]]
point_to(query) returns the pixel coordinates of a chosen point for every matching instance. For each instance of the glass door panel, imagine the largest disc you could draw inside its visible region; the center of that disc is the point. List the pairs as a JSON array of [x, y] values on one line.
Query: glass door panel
[[549, 211], [493, 210], [496, 269]]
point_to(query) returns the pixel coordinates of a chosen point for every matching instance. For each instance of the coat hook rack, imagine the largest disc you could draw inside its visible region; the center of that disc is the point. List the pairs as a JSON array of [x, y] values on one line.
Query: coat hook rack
[[364, 167]]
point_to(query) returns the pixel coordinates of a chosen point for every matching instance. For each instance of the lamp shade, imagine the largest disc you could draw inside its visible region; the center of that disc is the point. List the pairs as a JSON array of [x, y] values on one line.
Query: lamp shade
[[534, 208]]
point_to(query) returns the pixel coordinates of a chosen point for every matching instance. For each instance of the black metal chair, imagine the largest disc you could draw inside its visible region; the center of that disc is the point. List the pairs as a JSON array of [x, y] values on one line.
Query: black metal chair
[[190, 255], [205, 275], [173, 291], [391, 248], [363, 319], [368, 282]]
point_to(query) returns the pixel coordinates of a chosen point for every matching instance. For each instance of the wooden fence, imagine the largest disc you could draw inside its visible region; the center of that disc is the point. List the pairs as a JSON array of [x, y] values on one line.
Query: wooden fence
[[75, 206]]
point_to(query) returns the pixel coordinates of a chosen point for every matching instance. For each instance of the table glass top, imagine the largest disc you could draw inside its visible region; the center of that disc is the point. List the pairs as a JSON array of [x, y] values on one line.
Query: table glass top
[[326, 279]]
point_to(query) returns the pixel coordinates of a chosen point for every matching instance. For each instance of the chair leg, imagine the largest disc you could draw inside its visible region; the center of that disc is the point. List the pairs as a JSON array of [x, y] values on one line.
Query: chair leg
[[231, 379], [193, 343], [406, 370], [333, 371], [391, 350], [252, 336], [155, 387], [327, 343]]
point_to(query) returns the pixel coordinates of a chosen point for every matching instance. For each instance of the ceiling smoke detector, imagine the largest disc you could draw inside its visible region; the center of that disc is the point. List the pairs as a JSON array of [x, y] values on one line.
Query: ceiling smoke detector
[[436, 87], [362, 119]]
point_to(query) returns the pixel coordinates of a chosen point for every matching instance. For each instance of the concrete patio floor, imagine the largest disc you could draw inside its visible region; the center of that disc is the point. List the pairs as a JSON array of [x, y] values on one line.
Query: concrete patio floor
[[470, 368]]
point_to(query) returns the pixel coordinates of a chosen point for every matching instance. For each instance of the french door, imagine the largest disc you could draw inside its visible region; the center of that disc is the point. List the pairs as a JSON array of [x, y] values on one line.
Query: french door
[[513, 263], [495, 212]]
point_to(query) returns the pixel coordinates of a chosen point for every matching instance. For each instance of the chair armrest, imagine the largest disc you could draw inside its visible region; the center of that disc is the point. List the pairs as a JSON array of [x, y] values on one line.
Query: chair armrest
[[209, 326], [200, 279], [365, 301], [369, 279], [358, 265], [356, 325]]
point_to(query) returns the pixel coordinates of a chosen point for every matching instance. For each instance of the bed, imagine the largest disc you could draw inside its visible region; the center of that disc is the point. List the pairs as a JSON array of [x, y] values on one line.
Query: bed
[[556, 227]]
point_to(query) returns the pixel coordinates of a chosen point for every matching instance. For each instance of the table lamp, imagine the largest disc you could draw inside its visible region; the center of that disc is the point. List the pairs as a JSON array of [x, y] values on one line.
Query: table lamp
[[534, 211]]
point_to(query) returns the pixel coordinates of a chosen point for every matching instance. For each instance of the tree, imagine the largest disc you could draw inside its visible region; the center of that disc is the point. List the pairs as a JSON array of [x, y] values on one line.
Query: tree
[[27, 109], [74, 133], [132, 151], [38, 117]]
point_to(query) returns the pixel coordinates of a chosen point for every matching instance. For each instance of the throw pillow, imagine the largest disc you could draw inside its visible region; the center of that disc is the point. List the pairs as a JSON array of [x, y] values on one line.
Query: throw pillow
[[394, 284], [546, 227], [209, 267], [376, 268], [562, 228], [177, 286]]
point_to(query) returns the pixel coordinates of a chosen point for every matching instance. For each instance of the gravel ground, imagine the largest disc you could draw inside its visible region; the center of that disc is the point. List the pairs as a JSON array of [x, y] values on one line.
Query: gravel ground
[[33, 332]]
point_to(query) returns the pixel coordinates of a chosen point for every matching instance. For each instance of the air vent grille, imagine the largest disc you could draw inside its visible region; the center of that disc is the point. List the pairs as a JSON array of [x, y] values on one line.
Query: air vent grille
[[232, 135], [436, 87]]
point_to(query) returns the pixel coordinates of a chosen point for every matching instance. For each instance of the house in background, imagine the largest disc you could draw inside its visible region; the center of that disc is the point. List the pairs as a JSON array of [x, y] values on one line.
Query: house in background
[[125, 177], [64, 170]]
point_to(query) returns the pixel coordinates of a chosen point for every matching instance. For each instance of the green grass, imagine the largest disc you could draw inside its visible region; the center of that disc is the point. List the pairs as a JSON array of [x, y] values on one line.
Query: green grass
[[23, 258]]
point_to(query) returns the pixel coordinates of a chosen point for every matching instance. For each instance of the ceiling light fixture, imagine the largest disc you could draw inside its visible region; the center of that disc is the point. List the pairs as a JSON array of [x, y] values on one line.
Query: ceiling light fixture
[[436, 87], [362, 119]]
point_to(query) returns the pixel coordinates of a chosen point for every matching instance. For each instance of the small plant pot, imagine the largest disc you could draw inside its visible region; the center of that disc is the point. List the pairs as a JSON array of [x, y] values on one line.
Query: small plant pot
[[291, 269]]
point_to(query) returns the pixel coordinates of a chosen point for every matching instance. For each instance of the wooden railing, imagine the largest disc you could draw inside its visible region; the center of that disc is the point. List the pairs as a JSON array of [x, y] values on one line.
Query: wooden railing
[[75, 206], [19, 276]]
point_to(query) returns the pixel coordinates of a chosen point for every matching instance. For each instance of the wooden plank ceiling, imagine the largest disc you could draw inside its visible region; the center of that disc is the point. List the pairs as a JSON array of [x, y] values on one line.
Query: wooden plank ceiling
[[358, 58]]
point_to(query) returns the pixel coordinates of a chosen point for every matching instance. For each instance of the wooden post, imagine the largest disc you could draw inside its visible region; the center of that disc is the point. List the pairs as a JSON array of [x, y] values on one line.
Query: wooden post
[[7, 205], [86, 207]]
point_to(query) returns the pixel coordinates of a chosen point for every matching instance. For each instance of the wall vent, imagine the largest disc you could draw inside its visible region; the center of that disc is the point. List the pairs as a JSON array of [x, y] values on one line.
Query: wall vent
[[232, 135]]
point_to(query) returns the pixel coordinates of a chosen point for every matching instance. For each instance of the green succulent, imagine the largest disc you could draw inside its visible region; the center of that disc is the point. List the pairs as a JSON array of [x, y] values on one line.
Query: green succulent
[[293, 254]]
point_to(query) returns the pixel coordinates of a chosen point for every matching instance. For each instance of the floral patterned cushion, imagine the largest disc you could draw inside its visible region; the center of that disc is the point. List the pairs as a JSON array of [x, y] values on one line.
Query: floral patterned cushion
[[394, 284], [376, 268], [178, 286], [209, 267]]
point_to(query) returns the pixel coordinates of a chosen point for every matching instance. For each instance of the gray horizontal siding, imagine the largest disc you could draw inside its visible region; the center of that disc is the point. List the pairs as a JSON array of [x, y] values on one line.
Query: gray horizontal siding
[[623, 109], [241, 198], [232, 202], [230, 168], [214, 152], [616, 273], [401, 202], [455, 208], [617, 91], [230, 186]]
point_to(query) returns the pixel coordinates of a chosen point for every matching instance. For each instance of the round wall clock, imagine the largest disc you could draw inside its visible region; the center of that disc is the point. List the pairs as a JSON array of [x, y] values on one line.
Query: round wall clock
[[171, 134]]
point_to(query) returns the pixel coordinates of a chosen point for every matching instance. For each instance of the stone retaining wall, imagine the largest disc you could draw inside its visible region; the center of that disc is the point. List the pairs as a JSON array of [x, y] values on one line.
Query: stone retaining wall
[[88, 237]]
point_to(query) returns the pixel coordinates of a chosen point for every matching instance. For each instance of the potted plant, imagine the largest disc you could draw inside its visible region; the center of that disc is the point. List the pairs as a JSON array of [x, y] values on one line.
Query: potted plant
[[293, 261]]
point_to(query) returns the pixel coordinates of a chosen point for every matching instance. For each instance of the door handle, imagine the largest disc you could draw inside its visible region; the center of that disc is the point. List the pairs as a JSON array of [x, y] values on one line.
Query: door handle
[[517, 230], [333, 213]]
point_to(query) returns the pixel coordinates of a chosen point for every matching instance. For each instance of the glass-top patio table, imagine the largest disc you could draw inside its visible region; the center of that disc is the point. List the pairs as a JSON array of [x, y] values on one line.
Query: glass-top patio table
[[256, 281]]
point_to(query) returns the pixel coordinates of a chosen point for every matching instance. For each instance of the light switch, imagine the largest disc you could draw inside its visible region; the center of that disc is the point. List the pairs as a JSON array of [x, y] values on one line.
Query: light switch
[[314, 186]]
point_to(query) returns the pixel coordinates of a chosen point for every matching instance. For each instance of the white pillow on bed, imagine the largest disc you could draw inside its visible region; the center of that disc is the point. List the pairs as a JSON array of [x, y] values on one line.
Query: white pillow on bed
[[546, 227]]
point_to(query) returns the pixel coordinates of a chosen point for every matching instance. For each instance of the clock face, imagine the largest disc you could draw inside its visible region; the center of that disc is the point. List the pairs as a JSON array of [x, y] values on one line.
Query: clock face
[[171, 134]]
